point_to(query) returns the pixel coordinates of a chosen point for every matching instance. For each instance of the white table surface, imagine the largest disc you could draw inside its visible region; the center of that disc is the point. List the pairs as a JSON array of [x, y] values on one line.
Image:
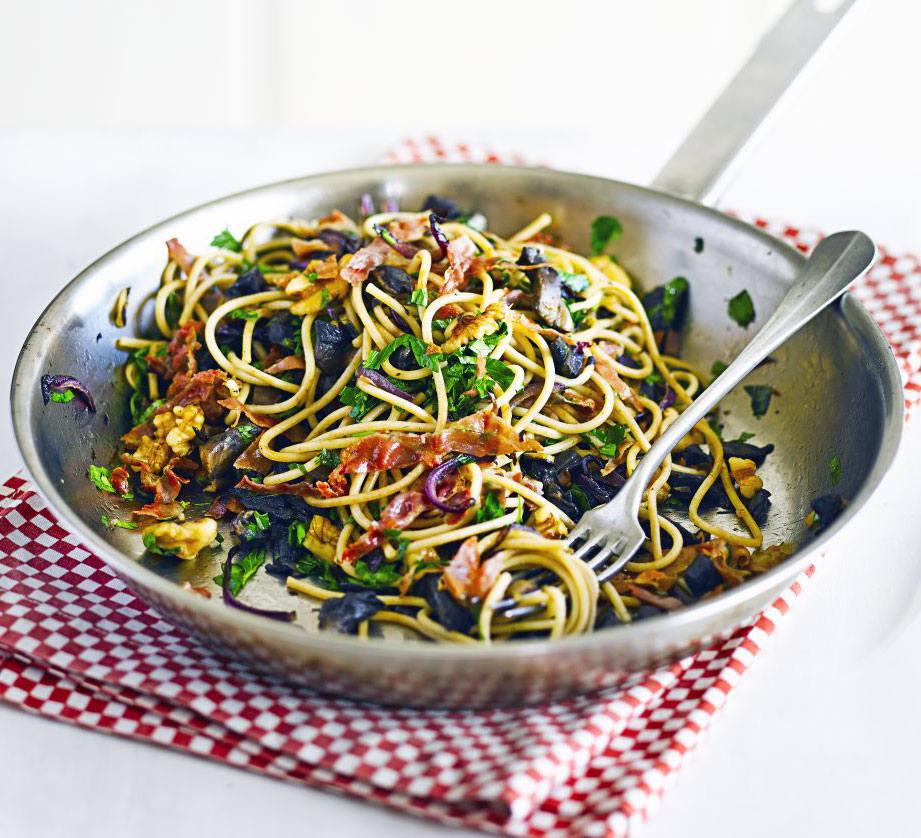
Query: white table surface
[[821, 736]]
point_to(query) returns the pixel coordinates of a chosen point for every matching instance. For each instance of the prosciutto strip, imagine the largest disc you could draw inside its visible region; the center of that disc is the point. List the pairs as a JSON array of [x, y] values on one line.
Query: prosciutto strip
[[164, 505], [364, 261], [180, 256], [402, 510], [482, 434], [606, 370], [468, 579], [461, 253]]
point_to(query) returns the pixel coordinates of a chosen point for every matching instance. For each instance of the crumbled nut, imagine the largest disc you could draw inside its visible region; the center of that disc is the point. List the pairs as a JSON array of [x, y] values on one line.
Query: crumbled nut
[[743, 472], [178, 428], [186, 540], [470, 327], [154, 452], [547, 524], [321, 538]]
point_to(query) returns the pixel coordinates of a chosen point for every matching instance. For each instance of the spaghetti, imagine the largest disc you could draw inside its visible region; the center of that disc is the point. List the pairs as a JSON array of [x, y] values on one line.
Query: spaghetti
[[406, 416]]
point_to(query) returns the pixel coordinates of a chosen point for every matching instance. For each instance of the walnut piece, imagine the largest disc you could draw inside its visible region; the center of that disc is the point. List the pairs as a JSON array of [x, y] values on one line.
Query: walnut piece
[[186, 540]]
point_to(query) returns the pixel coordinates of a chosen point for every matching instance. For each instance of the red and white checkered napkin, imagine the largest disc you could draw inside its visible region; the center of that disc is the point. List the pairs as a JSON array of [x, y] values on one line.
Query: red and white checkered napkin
[[76, 645]]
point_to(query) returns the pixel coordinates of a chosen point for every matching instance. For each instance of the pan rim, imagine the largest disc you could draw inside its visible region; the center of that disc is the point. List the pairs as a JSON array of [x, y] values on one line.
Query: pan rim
[[856, 320]]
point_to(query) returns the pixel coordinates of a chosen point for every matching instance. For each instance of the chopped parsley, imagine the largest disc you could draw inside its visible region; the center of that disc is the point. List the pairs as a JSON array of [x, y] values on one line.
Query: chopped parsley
[[698, 245], [248, 432], [359, 400], [244, 314], [464, 388], [226, 240], [242, 571], [486, 344], [745, 436], [718, 369], [115, 522], [605, 230], [607, 438], [581, 499], [419, 297], [150, 542], [324, 298], [318, 570], [418, 347], [742, 309], [490, 508], [834, 469], [760, 396], [386, 576], [328, 457], [101, 479], [62, 398]]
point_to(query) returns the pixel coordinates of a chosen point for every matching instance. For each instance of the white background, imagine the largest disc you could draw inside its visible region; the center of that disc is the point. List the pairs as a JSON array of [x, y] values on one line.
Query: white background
[[114, 115]]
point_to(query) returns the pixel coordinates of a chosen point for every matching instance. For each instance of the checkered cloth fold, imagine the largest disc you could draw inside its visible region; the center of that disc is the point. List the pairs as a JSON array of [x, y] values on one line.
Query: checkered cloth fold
[[77, 645]]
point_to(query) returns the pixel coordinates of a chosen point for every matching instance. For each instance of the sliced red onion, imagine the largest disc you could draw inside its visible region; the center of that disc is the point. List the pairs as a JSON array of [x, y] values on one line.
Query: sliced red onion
[[668, 399], [391, 205], [381, 381], [431, 485], [440, 238], [407, 251], [366, 205], [231, 600], [60, 384]]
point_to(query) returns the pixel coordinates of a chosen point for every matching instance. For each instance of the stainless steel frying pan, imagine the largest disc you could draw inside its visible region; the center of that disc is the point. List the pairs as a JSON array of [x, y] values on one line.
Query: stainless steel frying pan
[[838, 388]]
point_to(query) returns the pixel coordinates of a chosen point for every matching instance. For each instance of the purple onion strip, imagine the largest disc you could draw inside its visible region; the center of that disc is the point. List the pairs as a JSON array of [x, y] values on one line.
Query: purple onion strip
[[440, 238], [407, 251], [431, 485], [381, 381], [366, 205], [391, 205], [61, 384], [231, 600]]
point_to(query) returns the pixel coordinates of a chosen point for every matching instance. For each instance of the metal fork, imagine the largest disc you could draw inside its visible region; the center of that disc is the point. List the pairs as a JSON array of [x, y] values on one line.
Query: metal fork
[[611, 534]]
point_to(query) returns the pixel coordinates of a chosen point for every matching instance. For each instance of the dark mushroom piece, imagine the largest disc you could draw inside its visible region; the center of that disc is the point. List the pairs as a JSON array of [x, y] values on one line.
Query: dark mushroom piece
[[331, 343], [221, 450], [394, 279]]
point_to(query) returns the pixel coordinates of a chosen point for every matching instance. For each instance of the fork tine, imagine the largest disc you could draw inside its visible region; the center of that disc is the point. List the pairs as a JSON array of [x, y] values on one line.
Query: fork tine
[[593, 540]]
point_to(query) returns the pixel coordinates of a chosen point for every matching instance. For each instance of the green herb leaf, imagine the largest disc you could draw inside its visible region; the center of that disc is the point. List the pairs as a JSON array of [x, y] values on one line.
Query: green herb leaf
[[418, 347], [607, 438], [717, 369], [387, 575], [605, 229], [745, 436], [226, 240], [760, 396], [62, 398], [242, 571], [442, 324], [115, 522], [244, 314], [248, 432], [318, 570], [666, 310], [834, 469], [360, 401], [329, 457], [149, 411], [576, 283], [324, 298], [581, 499], [742, 309], [150, 542], [100, 476], [419, 297], [490, 508]]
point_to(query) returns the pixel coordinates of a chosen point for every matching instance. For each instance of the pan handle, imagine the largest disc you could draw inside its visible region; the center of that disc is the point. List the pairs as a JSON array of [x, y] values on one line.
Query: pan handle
[[705, 161]]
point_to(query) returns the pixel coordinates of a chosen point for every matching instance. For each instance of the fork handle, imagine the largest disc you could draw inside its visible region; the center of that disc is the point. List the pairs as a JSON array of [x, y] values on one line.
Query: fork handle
[[835, 263]]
